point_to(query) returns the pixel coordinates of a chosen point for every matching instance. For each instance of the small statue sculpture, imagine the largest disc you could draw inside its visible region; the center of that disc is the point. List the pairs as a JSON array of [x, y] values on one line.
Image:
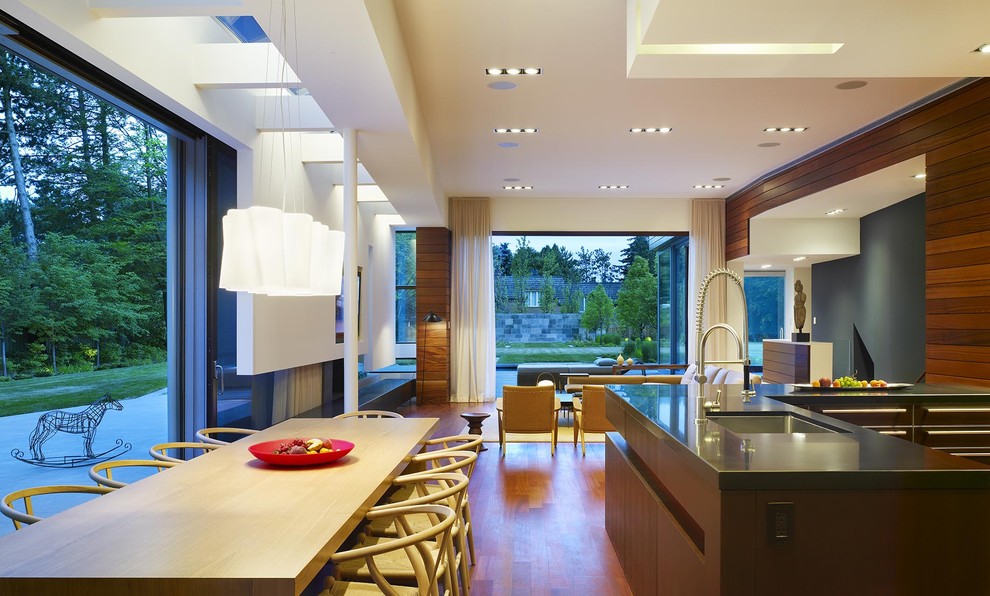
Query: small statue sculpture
[[800, 312]]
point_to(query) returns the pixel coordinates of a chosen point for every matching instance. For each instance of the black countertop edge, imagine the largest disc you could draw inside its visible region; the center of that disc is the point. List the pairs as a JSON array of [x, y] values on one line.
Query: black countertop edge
[[854, 480]]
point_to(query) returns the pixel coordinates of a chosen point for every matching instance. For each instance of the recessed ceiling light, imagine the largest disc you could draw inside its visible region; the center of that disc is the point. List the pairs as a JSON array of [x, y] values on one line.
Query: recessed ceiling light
[[983, 49], [518, 187], [800, 258], [848, 85], [502, 85], [613, 186], [834, 212], [766, 266], [708, 186], [919, 176], [656, 129], [515, 130], [785, 129], [513, 71]]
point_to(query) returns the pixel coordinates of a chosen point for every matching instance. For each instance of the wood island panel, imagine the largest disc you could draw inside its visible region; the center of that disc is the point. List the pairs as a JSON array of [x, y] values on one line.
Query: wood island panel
[[223, 523], [679, 527]]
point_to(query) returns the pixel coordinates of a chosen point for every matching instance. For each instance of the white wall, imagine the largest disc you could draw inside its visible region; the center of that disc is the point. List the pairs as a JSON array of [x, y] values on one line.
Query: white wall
[[591, 215], [832, 238]]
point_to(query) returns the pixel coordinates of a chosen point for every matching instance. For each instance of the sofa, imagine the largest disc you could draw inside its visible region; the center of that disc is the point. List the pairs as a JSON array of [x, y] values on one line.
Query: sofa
[[716, 376], [528, 374]]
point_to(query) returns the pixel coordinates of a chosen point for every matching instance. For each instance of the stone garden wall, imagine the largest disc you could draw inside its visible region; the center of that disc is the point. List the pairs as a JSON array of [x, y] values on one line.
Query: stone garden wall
[[538, 327]]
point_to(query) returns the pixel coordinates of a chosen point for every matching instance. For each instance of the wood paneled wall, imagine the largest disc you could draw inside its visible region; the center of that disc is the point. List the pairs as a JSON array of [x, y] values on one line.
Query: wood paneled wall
[[954, 134], [433, 294], [957, 262]]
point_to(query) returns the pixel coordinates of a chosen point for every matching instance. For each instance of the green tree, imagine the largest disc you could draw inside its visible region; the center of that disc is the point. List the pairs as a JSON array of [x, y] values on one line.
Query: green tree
[[81, 293], [572, 299], [639, 246], [501, 259], [637, 301], [13, 306], [548, 296], [602, 267], [599, 312], [585, 265], [523, 264]]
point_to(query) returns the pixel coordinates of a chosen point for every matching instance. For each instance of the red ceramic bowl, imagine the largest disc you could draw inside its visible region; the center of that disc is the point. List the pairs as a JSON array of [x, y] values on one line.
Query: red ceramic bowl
[[266, 453]]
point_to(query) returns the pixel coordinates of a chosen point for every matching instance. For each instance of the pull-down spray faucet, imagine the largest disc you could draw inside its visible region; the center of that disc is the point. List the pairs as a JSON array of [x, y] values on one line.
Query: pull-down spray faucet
[[741, 342]]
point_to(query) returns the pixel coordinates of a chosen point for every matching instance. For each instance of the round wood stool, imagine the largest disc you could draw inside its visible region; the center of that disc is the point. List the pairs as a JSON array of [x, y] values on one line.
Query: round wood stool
[[474, 420]]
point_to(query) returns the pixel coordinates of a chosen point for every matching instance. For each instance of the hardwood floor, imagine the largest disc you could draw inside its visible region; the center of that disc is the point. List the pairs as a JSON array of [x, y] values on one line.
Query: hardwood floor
[[539, 521]]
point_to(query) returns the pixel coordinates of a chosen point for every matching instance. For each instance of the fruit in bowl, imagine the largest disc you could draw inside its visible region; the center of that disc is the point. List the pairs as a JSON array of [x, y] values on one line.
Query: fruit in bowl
[[301, 452], [304, 446]]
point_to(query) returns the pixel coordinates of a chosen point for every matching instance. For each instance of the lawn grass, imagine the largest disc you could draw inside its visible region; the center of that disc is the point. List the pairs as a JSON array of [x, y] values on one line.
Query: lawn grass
[[79, 389]]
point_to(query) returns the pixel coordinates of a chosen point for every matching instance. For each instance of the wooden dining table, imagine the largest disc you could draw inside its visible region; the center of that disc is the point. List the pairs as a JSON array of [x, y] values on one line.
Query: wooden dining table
[[222, 523]]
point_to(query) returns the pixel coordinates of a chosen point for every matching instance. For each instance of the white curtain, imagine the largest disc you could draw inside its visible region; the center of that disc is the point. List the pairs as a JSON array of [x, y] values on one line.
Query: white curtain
[[472, 315], [707, 252], [296, 390]]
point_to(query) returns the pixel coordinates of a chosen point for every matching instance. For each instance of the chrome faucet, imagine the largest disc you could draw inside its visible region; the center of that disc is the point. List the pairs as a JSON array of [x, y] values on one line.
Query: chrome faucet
[[743, 344]]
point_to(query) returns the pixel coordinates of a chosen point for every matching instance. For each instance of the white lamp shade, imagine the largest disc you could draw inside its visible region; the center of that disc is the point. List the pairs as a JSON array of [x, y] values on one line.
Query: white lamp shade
[[266, 251]]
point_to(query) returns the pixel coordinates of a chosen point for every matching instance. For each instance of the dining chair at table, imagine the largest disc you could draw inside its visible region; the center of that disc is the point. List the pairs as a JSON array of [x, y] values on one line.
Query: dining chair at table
[[102, 473], [160, 451], [448, 489], [370, 414], [529, 410], [26, 495], [210, 435], [589, 413], [453, 443], [415, 546]]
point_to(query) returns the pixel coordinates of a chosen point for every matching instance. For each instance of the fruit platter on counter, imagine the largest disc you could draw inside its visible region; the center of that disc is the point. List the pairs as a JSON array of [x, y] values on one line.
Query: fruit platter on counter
[[849, 384]]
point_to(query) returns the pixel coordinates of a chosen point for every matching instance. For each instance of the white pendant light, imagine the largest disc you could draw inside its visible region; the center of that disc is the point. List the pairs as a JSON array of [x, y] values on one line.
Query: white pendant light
[[268, 251]]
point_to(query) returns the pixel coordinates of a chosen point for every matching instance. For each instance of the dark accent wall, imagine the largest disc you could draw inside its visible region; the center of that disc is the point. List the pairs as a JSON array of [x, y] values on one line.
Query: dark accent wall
[[880, 294]]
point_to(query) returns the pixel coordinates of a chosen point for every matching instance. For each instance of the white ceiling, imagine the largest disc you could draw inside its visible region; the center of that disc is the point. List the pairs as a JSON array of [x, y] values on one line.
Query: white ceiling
[[409, 76]]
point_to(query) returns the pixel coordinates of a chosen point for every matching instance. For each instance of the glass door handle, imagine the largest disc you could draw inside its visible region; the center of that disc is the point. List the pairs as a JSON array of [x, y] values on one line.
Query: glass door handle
[[218, 375]]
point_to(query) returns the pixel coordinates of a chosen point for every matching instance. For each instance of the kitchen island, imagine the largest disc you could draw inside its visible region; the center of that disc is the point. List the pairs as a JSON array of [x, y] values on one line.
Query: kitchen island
[[697, 508]]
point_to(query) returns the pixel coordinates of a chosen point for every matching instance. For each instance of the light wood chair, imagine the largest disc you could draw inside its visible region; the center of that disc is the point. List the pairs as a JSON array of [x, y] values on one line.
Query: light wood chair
[[370, 414], [589, 413], [530, 410], [25, 496], [208, 435], [453, 443], [102, 473], [160, 451], [418, 548], [448, 489], [443, 461]]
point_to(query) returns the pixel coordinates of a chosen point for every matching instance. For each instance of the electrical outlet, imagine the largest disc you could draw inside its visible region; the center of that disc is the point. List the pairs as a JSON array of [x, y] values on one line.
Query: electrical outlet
[[780, 521]]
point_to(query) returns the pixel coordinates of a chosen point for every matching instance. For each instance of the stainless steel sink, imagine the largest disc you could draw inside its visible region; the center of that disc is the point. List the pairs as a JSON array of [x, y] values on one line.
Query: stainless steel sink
[[779, 423]]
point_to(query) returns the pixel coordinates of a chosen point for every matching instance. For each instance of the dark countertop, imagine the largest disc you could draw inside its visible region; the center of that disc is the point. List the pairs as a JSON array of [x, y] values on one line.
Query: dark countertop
[[855, 458], [915, 394]]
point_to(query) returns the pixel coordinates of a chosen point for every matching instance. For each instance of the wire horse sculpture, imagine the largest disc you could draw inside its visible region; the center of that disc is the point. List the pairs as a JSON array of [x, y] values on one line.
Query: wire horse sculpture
[[78, 423]]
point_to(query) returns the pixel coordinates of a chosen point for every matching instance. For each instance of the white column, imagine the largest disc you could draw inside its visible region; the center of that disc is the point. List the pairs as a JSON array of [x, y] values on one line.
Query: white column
[[350, 272]]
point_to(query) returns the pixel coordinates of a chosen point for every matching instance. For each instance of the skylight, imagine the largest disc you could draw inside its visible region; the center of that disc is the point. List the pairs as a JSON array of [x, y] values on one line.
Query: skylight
[[244, 28]]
